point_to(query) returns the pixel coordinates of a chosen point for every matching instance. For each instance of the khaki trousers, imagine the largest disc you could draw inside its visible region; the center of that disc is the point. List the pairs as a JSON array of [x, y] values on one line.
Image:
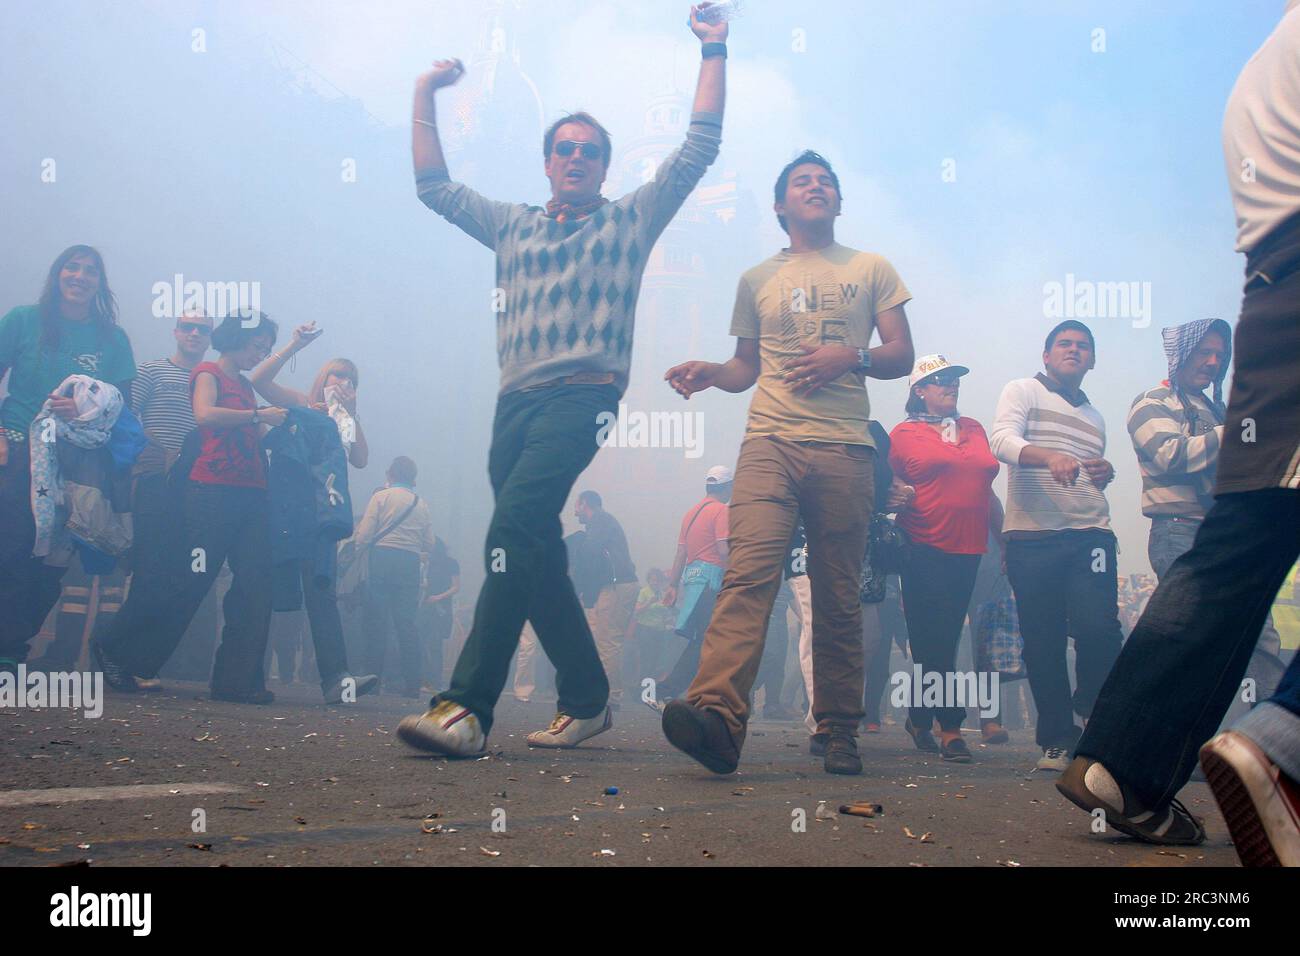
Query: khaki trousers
[[777, 481], [526, 665], [609, 621]]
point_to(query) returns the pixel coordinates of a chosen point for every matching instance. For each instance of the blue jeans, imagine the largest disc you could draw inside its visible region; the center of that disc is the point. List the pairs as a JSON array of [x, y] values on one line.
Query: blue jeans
[[1171, 538], [1184, 661]]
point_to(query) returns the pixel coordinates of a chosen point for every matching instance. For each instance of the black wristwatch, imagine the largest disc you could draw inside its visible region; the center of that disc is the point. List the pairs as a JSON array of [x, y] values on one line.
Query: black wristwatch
[[257, 416]]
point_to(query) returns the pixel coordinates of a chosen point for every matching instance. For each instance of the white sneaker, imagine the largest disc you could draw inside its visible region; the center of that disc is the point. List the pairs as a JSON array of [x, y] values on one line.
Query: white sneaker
[[447, 729], [1054, 758], [569, 731]]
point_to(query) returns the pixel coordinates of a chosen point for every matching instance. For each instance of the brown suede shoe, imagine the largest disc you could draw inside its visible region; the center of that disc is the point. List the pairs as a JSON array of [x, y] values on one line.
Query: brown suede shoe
[[700, 734]]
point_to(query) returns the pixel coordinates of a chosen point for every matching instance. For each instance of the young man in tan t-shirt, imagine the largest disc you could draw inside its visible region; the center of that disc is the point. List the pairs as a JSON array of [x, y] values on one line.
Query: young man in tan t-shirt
[[803, 322]]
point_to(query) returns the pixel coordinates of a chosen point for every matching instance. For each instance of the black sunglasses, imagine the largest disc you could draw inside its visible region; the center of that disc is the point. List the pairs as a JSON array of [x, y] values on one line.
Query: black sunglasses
[[944, 378], [188, 327], [566, 147]]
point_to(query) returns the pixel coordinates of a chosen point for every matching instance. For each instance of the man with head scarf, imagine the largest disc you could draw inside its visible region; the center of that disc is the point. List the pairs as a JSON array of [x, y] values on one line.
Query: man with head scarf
[[1177, 431]]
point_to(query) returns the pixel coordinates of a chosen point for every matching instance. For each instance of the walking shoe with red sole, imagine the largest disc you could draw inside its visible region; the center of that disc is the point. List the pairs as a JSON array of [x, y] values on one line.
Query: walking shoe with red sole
[[1260, 804]]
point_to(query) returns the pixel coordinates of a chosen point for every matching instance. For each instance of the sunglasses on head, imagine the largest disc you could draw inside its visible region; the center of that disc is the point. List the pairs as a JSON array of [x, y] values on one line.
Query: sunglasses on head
[[188, 327], [566, 147]]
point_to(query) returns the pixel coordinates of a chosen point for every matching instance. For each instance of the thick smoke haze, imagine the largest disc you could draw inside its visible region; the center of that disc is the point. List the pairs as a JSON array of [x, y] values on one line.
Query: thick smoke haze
[[988, 150]]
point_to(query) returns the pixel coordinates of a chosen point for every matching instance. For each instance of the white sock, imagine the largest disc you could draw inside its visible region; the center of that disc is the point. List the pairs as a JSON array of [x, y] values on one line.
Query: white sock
[[1098, 780]]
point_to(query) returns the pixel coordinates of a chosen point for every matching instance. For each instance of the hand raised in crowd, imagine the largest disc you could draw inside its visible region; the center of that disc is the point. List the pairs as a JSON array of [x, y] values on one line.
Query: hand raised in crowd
[[691, 377], [1099, 470], [304, 335], [819, 366], [1064, 468], [707, 32], [900, 495], [273, 415], [64, 408], [444, 73]]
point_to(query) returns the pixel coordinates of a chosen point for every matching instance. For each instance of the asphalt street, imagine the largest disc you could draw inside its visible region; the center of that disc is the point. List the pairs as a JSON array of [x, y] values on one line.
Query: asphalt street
[[296, 783]]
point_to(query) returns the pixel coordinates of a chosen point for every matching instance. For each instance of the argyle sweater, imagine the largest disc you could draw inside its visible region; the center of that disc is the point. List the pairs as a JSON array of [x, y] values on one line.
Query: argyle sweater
[[566, 300]]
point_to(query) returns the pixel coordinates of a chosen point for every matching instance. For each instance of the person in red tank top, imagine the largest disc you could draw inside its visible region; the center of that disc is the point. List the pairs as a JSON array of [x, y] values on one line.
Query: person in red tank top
[[225, 518], [945, 457]]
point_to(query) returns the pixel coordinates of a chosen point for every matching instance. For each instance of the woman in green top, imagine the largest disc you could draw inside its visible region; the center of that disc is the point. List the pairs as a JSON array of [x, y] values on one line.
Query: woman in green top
[[72, 330]]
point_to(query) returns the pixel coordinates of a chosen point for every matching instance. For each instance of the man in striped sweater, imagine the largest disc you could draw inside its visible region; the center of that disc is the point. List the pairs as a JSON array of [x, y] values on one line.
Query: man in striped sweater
[[1176, 431], [1060, 552], [567, 279]]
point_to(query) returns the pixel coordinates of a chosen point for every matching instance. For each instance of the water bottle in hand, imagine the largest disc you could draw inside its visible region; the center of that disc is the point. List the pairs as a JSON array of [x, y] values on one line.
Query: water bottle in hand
[[721, 11]]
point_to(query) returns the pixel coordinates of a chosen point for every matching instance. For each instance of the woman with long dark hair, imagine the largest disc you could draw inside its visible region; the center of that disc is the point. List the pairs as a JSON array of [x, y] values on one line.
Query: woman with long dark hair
[[945, 457], [72, 330], [226, 518], [334, 392]]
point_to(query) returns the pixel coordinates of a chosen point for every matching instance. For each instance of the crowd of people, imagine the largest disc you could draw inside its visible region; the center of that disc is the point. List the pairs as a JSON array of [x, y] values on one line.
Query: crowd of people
[[868, 534], [214, 481]]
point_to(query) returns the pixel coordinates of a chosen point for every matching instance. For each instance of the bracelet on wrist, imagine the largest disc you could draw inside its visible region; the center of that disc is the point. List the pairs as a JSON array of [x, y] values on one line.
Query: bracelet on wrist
[[713, 49]]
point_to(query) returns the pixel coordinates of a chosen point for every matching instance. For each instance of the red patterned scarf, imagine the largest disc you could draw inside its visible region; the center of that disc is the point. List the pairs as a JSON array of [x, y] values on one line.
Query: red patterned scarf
[[563, 211]]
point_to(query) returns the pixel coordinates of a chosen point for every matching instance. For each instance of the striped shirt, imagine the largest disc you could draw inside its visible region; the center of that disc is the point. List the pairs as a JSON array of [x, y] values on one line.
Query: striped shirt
[[1178, 451], [1029, 413], [160, 396]]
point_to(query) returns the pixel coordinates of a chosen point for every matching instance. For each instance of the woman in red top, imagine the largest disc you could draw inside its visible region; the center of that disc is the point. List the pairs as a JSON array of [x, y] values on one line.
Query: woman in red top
[[225, 517], [946, 458], [226, 510]]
